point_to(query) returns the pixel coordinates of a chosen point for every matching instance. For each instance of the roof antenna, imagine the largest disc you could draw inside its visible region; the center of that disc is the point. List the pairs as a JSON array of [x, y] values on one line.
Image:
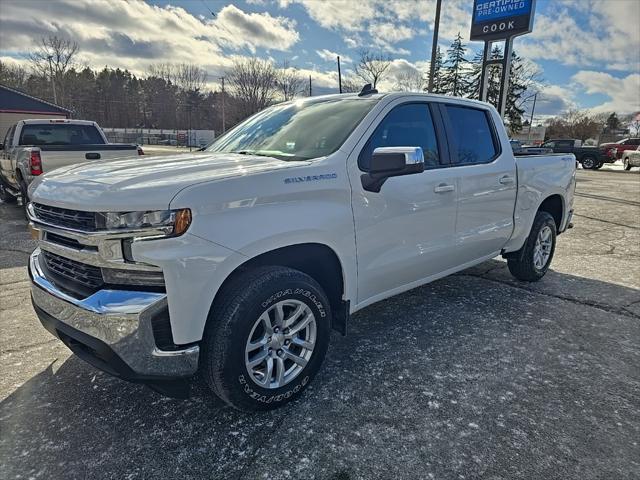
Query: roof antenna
[[367, 90]]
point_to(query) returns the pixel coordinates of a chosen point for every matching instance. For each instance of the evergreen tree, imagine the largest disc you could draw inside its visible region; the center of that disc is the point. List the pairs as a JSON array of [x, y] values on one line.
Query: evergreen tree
[[519, 82], [613, 122], [437, 72], [455, 80], [518, 85]]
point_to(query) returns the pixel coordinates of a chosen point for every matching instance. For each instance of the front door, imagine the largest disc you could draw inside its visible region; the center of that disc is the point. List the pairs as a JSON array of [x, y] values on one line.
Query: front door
[[405, 232]]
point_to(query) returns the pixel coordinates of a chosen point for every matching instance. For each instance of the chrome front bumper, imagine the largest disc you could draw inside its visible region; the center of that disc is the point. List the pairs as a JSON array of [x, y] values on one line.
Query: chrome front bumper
[[117, 322]]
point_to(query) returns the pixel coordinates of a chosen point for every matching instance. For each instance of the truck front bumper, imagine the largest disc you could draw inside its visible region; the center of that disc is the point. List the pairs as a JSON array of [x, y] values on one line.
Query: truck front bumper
[[112, 330]]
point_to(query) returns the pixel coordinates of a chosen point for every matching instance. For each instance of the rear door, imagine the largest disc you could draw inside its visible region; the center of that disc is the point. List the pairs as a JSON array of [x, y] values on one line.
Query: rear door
[[486, 182]]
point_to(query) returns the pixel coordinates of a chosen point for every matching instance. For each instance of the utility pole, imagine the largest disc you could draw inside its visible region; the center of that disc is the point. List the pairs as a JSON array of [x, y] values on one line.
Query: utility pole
[[434, 46], [535, 97], [339, 76], [310, 89], [224, 126], [53, 83]]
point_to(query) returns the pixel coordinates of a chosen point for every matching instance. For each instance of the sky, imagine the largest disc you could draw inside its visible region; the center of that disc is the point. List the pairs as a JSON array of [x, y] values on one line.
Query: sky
[[587, 51]]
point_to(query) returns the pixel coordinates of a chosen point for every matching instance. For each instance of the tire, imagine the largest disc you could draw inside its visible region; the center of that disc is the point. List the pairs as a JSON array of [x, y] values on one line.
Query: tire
[[598, 166], [5, 196], [589, 163], [24, 197], [522, 264], [626, 164], [240, 316]]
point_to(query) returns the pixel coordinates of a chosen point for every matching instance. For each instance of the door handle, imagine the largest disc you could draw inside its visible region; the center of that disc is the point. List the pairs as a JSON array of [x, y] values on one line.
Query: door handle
[[443, 187], [506, 180]]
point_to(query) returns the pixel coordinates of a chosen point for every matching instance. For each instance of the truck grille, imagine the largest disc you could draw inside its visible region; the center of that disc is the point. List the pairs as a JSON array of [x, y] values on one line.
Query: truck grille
[[74, 272], [62, 217]]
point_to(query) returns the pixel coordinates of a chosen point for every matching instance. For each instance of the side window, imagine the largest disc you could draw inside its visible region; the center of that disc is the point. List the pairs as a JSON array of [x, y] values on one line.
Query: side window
[[472, 134], [549, 144], [408, 125], [634, 141], [566, 143]]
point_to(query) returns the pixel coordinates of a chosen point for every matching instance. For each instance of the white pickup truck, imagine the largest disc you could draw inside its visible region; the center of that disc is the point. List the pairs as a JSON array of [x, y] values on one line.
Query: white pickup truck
[[235, 263], [33, 147]]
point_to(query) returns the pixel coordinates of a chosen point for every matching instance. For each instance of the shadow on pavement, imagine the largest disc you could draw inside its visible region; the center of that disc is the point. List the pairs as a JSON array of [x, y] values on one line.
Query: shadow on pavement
[[466, 376]]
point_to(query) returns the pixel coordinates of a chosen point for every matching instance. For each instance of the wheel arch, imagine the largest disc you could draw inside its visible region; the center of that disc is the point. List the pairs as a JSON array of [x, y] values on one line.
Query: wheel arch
[[553, 205], [317, 260]]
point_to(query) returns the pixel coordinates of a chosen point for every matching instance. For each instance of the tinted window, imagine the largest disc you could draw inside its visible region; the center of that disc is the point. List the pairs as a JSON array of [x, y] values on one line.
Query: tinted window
[[60, 134], [405, 126], [296, 130], [472, 135], [634, 141]]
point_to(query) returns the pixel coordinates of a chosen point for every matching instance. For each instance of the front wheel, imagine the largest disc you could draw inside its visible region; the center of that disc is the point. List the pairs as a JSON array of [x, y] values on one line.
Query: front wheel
[[626, 164], [266, 338], [5, 196], [532, 262]]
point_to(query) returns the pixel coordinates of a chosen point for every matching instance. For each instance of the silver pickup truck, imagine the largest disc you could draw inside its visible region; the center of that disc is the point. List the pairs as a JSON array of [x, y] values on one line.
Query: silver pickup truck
[[34, 147]]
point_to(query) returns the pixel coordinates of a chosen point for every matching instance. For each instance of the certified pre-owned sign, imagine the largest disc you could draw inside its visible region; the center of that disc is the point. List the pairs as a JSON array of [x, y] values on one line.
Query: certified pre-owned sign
[[496, 19]]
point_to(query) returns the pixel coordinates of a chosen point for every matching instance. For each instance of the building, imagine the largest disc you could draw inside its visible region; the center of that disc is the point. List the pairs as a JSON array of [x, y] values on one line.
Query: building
[[533, 137], [16, 105]]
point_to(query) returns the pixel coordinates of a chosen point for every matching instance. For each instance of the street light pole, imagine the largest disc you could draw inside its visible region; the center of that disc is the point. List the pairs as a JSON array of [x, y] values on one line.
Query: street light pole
[[224, 126], [533, 109], [53, 83], [339, 76], [434, 46]]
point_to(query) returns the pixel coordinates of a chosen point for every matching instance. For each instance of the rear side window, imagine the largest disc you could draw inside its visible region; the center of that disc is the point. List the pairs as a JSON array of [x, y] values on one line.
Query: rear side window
[[60, 134], [408, 125], [472, 135]]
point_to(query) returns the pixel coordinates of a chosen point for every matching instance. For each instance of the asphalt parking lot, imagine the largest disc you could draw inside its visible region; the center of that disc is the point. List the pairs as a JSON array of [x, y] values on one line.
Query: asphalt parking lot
[[474, 376]]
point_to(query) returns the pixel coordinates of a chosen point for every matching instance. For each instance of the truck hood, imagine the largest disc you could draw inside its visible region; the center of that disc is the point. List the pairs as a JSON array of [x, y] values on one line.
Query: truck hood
[[142, 183]]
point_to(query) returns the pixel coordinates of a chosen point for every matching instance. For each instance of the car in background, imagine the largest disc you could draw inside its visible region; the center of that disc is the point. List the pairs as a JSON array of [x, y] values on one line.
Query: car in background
[[591, 158], [631, 158], [34, 147], [520, 149], [619, 147]]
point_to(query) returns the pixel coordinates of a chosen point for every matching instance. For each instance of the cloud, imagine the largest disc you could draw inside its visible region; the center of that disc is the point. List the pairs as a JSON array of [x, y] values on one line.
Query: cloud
[[624, 93], [329, 56], [134, 35], [256, 29], [610, 37]]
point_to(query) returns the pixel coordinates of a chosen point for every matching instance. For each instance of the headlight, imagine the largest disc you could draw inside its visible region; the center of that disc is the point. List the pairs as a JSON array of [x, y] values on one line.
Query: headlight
[[171, 222]]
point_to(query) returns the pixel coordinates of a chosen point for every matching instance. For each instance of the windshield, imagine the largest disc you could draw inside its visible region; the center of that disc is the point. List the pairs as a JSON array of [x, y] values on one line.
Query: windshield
[[60, 134], [298, 130]]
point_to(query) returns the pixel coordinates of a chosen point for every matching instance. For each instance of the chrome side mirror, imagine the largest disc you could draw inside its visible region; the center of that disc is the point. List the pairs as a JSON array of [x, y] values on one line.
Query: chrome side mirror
[[389, 162]]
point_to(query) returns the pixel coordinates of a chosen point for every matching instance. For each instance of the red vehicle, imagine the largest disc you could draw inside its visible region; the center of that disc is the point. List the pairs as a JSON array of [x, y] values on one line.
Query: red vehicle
[[619, 147]]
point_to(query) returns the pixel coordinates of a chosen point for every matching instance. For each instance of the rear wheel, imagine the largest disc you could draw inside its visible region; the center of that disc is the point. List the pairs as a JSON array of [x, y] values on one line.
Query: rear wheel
[[589, 163], [532, 262], [266, 338], [5, 196], [626, 164]]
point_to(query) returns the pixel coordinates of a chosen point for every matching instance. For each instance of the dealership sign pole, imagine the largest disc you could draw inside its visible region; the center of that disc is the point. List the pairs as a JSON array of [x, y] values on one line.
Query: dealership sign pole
[[500, 20]]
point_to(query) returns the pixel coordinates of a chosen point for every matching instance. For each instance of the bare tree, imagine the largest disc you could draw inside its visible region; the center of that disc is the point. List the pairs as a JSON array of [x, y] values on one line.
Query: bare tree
[[289, 81], [351, 84], [253, 82], [54, 57], [634, 126], [187, 76], [410, 81], [574, 123], [13, 76], [372, 67]]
